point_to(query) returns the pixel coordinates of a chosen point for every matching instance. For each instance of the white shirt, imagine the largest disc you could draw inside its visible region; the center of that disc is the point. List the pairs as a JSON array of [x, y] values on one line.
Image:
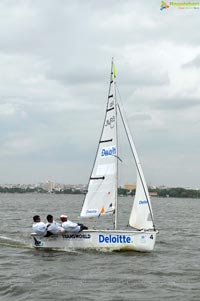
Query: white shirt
[[40, 228], [71, 227], [54, 227]]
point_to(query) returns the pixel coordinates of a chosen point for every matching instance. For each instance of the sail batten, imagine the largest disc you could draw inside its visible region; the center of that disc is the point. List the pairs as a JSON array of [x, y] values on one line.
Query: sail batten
[[109, 109], [97, 178], [104, 141]]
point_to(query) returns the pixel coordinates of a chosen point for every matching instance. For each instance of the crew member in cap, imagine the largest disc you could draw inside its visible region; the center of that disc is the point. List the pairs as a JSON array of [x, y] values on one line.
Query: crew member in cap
[[38, 226], [69, 226]]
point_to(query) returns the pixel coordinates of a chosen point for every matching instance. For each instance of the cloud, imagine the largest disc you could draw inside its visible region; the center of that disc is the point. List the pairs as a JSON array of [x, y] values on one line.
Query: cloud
[[179, 104], [195, 63], [55, 62], [7, 109]]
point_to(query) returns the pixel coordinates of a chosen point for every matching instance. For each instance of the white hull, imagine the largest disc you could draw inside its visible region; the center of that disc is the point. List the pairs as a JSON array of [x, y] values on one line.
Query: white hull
[[105, 240]]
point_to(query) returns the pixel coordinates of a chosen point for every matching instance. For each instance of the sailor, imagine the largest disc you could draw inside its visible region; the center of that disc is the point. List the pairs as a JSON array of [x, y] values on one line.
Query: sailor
[[52, 226], [38, 226], [71, 226]]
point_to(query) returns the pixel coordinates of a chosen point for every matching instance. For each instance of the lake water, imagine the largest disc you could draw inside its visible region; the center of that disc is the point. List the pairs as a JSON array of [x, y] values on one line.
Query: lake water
[[170, 272]]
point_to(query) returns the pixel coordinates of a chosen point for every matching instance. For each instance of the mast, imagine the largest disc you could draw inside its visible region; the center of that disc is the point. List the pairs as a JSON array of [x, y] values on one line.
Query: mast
[[113, 76]]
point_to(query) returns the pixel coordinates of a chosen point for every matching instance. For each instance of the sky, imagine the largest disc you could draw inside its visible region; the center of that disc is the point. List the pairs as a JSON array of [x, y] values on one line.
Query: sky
[[55, 58]]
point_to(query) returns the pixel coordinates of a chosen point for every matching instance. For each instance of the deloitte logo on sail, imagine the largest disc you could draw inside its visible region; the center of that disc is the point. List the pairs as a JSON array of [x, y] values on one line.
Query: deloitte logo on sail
[[142, 202], [109, 151], [115, 239]]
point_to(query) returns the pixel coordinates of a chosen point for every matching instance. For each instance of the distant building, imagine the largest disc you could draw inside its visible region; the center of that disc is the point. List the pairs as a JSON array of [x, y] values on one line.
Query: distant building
[[153, 193], [129, 187]]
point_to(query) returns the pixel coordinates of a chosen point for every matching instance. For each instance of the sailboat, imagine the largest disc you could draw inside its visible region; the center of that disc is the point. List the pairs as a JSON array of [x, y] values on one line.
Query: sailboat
[[102, 194]]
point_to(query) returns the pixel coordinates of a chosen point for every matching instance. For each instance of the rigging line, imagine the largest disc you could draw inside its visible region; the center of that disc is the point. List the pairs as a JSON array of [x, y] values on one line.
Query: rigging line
[[137, 162], [117, 157]]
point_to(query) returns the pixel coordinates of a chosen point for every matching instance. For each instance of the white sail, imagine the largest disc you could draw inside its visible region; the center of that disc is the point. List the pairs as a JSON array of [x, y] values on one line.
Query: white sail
[[141, 216], [102, 188]]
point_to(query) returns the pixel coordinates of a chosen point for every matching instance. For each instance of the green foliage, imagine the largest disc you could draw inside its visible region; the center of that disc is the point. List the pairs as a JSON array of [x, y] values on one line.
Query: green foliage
[[175, 192], [21, 190], [178, 192]]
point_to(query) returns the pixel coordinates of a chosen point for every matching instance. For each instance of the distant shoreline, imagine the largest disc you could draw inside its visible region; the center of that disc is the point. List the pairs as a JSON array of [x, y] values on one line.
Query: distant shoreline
[[177, 192]]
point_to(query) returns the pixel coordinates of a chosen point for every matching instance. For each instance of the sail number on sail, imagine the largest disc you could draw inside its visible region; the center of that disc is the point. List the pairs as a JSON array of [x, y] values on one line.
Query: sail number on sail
[[110, 122]]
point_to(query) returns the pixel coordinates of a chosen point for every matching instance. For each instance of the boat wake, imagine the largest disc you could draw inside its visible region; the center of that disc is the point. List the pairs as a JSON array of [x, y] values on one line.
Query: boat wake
[[22, 244], [13, 243]]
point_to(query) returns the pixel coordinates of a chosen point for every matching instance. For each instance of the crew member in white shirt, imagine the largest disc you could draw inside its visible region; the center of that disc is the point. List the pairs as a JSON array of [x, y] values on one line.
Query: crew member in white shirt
[[38, 226], [69, 226], [52, 226]]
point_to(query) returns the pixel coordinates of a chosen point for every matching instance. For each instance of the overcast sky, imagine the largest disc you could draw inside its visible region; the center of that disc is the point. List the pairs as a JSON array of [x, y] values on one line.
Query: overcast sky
[[55, 58]]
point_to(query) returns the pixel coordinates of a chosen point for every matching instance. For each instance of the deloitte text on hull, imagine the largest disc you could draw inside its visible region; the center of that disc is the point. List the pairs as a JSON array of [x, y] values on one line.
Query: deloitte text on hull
[[115, 239]]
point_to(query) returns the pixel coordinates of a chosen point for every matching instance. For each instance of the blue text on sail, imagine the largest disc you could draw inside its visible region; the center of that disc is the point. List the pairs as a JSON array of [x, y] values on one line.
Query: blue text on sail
[[109, 151]]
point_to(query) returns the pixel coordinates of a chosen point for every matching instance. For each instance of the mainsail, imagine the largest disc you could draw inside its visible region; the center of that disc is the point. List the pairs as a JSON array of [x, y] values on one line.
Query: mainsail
[[102, 188]]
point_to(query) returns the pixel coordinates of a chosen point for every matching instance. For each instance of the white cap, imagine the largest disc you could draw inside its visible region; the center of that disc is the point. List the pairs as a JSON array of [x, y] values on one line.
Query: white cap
[[63, 216]]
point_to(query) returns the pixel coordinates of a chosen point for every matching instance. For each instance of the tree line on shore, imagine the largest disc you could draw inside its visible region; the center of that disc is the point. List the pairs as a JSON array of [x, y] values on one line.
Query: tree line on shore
[[175, 192]]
